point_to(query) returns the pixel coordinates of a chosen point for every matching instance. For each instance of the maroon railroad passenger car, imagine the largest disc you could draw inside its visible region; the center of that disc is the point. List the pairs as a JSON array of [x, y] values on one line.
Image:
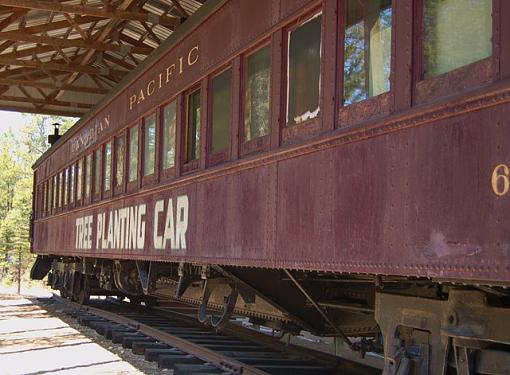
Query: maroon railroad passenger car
[[336, 166]]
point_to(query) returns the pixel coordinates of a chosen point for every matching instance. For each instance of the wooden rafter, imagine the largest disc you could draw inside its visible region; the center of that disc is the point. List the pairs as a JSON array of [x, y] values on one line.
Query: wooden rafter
[[61, 67], [105, 33], [51, 86], [20, 36], [33, 100], [48, 46], [57, 25], [42, 110], [92, 11], [13, 17]]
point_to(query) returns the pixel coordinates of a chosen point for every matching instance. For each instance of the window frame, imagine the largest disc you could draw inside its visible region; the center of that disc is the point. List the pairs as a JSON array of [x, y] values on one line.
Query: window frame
[[78, 201], [88, 199], [60, 191], [71, 196], [134, 185], [107, 193], [375, 106], [53, 193], [119, 189], [312, 126], [262, 143], [461, 79], [150, 179], [47, 206], [225, 155], [166, 174], [192, 165], [97, 195]]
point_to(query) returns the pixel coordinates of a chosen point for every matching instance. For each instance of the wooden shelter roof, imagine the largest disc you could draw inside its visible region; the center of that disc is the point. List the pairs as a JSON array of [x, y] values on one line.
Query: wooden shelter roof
[[62, 57]]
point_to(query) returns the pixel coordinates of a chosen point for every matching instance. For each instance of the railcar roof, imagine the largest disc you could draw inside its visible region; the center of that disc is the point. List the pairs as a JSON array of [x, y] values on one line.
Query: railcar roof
[[63, 57]]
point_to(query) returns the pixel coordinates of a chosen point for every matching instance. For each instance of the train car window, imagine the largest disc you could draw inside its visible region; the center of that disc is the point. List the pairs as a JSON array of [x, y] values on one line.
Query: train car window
[[455, 33], [54, 192], [107, 166], [303, 71], [220, 116], [71, 184], [88, 174], [55, 188], [367, 49], [64, 182], [60, 189], [47, 196], [257, 78], [149, 145], [44, 199], [120, 152], [192, 144], [98, 156], [169, 127], [133, 154], [79, 173]]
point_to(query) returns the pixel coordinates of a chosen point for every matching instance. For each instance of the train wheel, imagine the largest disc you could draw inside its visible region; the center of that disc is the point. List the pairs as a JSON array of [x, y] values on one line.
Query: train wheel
[[83, 295], [135, 300], [150, 302], [63, 293]]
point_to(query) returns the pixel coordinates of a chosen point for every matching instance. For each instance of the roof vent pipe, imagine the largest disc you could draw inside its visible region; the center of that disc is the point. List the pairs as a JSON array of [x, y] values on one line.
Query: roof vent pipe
[[53, 138]]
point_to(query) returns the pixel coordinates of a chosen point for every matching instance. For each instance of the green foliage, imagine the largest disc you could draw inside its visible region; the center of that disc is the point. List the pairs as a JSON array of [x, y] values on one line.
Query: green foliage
[[17, 155]]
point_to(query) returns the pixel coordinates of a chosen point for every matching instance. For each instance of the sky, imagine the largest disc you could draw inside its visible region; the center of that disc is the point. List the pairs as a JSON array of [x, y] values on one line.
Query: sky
[[13, 120]]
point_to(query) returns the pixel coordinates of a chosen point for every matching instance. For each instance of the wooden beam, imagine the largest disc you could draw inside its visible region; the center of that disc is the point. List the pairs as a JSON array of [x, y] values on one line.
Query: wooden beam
[[32, 100], [41, 111], [101, 36], [13, 17], [21, 36], [28, 52], [92, 11], [128, 39], [72, 68], [76, 26], [118, 62], [58, 25], [52, 86], [178, 5]]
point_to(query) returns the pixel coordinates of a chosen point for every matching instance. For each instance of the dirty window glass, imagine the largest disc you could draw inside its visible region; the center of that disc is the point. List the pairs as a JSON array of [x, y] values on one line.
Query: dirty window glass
[[169, 125], [71, 184], [97, 170], [256, 94], [367, 49], [120, 151], [88, 175], [47, 195], [65, 179], [107, 166], [55, 188], [45, 189], [304, 60], [79, 173], [133, 153], [456, 33], [221, 91], [149, 146], [193, 127]]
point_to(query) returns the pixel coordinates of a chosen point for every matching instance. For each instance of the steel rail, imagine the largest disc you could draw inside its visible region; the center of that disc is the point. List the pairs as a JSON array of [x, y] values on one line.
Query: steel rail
[[206, 355]]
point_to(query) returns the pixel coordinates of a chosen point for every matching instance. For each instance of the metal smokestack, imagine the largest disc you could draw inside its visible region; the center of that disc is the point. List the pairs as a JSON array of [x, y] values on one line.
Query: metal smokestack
[[52, 138]]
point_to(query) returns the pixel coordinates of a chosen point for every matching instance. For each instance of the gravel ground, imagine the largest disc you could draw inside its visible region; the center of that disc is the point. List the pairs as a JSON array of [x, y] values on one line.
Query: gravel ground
[[138, 361], [21, 318]]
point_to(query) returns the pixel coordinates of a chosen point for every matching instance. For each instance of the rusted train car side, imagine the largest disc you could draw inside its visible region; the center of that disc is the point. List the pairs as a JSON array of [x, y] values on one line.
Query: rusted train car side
[[354, 202]]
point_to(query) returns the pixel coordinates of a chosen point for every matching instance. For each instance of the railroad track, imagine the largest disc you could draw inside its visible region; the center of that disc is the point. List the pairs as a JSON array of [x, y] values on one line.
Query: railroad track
[[174, 341]]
